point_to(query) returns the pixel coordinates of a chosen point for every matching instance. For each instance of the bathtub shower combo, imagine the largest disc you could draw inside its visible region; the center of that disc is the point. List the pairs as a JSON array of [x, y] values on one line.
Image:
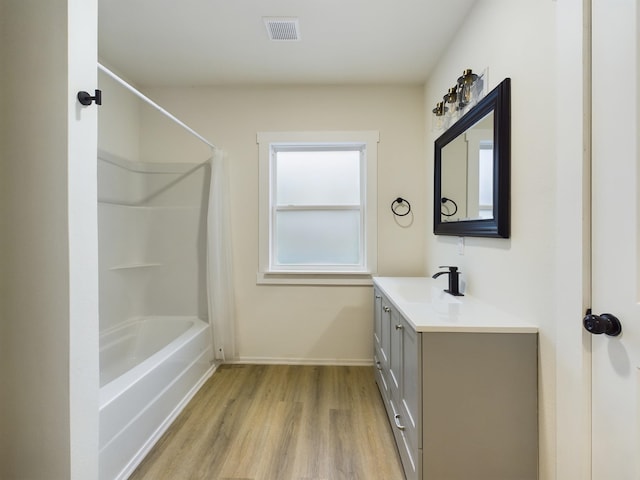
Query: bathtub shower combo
[[155, 340]]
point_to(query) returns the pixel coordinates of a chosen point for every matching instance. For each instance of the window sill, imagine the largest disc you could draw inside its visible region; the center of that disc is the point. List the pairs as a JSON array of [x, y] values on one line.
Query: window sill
[[313, 278]]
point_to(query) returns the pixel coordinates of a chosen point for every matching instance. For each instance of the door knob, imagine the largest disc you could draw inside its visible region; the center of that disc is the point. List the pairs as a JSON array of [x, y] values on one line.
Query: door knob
[[599, 324]]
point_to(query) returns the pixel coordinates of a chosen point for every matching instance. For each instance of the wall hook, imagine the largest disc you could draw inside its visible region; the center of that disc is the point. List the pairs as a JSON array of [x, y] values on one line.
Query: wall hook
[[85, 98]]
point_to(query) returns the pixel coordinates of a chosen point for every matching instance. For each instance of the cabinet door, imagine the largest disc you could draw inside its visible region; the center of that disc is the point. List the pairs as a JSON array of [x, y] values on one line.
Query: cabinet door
[[410, 385], [377, 318], [410, 404], [381, 379], [385, 333], [395, 358], [406, 393]]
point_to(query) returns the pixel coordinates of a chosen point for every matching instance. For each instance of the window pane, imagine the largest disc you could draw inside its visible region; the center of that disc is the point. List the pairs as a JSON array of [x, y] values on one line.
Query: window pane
[[485, 192], [318, 177], [318, 237]]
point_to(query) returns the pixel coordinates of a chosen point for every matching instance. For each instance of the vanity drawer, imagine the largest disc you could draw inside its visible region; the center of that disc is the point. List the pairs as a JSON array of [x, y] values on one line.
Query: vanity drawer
[[409, 455], [411, 434]]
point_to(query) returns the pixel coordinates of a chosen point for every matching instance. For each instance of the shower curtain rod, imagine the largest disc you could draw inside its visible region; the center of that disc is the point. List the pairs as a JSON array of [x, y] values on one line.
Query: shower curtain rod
[[154, 104]]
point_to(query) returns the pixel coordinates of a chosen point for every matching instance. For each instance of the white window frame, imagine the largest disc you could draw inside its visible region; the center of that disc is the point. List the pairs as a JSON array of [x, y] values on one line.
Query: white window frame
[[356, 275]]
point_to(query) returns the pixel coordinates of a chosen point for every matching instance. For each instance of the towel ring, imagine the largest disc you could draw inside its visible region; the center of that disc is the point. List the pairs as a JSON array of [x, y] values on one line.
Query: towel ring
[[396, 203], [444, 200]]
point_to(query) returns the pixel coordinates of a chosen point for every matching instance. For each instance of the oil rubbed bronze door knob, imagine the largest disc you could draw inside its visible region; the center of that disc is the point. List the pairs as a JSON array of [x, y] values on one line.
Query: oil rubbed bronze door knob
[[606, 323]]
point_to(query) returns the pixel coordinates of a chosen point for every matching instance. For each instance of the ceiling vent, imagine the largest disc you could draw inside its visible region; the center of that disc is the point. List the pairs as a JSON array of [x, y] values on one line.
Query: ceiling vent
[[282, 29]]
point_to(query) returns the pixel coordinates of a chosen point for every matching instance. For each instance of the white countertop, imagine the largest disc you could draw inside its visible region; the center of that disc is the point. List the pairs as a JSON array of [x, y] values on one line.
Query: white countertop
[[424, 304]]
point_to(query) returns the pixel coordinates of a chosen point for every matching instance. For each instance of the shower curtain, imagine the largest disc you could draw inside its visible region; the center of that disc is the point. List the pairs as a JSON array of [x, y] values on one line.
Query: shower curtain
[[219, 261]]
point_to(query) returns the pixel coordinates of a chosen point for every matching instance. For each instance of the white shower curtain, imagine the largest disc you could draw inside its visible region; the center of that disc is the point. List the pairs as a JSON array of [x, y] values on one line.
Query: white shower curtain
[[219, 261]]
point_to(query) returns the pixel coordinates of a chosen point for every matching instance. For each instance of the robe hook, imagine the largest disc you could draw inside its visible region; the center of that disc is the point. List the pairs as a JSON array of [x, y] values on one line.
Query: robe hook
[[86, 99]]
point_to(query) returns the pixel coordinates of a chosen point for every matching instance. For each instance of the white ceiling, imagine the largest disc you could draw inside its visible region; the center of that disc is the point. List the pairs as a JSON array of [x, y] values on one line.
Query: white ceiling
[[222, 42]]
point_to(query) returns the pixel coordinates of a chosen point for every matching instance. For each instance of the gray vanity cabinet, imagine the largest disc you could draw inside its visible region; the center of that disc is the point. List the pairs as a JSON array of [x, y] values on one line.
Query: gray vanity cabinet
[[460, 395], [397, 356]]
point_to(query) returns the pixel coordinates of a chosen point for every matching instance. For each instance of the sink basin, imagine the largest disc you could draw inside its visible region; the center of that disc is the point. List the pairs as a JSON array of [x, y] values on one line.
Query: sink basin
[[420, 294]]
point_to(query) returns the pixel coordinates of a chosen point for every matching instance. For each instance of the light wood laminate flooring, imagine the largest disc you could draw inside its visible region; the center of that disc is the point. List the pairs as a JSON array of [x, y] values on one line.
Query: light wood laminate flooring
[[279, 422]]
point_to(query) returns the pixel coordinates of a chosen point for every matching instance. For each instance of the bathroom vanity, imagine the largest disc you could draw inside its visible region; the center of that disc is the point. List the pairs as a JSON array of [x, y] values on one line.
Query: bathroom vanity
[[459, 383]]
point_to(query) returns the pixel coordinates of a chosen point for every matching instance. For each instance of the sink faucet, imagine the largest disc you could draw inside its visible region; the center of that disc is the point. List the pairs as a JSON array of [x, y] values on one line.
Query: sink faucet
[[454, 280]]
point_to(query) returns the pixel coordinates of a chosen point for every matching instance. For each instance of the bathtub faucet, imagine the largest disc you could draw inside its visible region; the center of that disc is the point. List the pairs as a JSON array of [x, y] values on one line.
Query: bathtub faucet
[[454, 280]]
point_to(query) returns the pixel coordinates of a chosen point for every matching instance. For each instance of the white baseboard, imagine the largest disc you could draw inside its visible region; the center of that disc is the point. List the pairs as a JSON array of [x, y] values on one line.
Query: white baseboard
[[353, 362]]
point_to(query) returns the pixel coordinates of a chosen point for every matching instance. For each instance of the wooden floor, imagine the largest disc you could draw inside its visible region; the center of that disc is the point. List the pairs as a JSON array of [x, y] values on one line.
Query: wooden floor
[[267, 422]]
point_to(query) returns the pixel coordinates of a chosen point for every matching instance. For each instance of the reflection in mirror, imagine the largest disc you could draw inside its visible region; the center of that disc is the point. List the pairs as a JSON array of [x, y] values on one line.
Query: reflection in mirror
[[467, 174], [471, 183]]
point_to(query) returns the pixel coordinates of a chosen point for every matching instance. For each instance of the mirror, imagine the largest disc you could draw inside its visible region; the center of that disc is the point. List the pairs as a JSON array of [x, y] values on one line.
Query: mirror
[[472, 170]]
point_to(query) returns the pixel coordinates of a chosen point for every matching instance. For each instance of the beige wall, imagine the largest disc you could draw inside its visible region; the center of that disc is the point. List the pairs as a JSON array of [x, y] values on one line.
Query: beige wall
[[309, 323], [48, 307], [35, 348], [517, 274]]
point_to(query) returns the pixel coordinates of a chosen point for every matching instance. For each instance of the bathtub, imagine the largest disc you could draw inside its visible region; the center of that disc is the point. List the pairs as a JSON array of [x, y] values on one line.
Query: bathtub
[[150, 367]]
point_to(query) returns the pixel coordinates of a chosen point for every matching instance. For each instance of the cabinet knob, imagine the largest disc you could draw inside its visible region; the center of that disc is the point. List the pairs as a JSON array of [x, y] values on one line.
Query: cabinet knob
[[399, 327], [386, 309], [378, 296]]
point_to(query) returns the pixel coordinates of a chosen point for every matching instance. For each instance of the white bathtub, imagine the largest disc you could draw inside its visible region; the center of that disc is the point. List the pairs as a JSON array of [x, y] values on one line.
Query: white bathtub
[[150, 368]]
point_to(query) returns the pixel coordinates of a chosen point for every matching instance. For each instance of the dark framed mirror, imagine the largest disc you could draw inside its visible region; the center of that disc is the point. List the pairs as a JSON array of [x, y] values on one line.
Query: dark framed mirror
[[472, 170]]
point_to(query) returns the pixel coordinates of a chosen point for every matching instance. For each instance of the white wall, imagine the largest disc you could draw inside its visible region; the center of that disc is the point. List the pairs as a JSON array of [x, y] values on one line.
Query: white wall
[[310, 323], [48, 295], [516, 40]]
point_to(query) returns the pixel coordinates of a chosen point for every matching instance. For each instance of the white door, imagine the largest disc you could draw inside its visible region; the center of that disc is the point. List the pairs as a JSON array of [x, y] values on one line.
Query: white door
[[615, 236]]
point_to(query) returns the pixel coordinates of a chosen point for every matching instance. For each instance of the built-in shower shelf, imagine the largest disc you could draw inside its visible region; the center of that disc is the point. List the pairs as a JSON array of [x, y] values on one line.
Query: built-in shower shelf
[[130, 266]]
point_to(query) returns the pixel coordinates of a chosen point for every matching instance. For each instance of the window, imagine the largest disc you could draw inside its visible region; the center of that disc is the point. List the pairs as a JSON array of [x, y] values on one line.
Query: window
[[485, 180], [317, 207]]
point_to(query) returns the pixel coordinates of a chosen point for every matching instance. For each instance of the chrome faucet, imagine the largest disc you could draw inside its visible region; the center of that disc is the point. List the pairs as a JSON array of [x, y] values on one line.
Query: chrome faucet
[[454, 280]]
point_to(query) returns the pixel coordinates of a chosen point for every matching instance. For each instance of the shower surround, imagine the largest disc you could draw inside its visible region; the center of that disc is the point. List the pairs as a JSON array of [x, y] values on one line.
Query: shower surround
[[155, 342]]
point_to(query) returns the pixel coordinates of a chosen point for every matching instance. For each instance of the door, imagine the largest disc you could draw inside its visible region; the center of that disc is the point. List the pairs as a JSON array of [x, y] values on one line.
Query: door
[[615, 236]]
